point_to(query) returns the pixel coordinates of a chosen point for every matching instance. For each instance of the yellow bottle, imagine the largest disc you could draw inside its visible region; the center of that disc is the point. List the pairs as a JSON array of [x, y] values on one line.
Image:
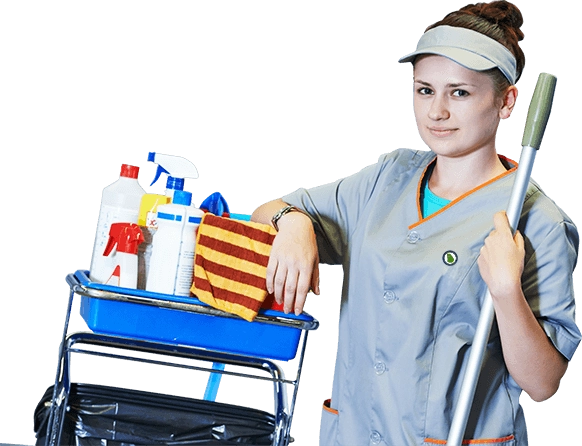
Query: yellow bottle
[[147, 221]]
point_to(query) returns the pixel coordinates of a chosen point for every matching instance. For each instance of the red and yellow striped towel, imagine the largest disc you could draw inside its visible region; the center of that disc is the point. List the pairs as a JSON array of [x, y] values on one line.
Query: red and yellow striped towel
[[231, 264]]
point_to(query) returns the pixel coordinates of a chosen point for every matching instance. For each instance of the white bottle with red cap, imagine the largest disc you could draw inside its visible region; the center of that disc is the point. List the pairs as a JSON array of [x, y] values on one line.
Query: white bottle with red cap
[[120, 202]]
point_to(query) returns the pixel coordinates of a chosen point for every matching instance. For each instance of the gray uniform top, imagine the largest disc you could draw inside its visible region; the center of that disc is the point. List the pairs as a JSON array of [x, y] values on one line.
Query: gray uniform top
[[411, 302]]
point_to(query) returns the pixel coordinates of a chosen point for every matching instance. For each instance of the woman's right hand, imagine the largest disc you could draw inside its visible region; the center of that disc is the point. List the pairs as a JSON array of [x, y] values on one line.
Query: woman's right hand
[[293, 268]]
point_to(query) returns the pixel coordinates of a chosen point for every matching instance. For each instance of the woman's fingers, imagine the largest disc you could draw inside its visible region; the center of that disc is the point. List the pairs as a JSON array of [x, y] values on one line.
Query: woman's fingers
[[315, 276], [304, 286], [501, 260], [283, 286], [291, 285], [293, 267], [519, 241], [291, 288], [270, 278], [501, 222]]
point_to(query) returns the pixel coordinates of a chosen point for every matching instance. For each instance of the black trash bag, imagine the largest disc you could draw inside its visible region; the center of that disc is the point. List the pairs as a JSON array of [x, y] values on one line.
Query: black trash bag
[[108, 416]]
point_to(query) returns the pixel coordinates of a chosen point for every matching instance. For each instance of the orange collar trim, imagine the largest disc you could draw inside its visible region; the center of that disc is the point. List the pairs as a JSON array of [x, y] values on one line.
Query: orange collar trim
[[456, 200]]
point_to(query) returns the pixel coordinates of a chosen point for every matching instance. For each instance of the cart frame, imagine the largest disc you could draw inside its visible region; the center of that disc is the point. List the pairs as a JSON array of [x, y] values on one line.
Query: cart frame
[[74, 342]]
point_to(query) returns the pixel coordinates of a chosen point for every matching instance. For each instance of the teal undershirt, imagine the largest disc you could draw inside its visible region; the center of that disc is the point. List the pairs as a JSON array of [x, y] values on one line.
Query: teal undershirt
[[431, 203]]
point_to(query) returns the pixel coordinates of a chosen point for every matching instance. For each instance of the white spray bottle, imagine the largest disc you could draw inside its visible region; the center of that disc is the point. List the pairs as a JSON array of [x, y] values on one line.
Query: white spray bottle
[[125, 238], [120, 202], [178, 169]]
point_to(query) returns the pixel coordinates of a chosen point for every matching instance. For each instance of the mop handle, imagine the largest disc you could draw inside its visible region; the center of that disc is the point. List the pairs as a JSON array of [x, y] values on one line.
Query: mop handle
[[539, 111], [537, 118]]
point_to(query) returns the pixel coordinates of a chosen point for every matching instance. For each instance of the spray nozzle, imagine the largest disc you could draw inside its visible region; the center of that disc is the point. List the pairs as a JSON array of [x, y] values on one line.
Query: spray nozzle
[[175, 166], [127, 237]]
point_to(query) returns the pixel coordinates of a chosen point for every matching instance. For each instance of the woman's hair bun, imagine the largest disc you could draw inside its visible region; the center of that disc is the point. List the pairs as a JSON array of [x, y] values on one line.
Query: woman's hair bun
[[500, 20], [501, 13]]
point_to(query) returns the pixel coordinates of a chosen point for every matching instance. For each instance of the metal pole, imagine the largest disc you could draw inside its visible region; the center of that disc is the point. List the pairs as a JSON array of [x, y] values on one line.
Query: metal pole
[[537, 118]]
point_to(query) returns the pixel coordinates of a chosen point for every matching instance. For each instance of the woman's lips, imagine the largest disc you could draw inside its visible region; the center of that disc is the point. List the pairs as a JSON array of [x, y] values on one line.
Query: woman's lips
[[441, 132]]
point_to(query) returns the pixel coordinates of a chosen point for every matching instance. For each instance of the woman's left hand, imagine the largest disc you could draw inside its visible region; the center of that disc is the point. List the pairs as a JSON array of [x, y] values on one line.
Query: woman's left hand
[[501, 261]]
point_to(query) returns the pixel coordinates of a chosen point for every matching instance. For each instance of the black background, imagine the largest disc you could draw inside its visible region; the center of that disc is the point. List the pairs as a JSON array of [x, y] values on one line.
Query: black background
[[285, 105]]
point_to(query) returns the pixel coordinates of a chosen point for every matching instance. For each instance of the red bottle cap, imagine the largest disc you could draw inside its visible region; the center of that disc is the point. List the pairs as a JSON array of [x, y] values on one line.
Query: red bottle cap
[[129, 171]]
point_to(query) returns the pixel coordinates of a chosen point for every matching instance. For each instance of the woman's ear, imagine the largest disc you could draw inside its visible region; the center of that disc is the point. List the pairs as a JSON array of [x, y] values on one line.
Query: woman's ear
[[509, 99]]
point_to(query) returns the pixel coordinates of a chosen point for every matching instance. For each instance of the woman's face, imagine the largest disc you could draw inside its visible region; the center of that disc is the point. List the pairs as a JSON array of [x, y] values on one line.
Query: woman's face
[[457, 110]]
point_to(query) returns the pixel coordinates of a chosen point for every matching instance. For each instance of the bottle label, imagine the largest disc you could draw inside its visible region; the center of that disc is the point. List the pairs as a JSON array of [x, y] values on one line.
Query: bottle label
[[185, 271], [151, 219]]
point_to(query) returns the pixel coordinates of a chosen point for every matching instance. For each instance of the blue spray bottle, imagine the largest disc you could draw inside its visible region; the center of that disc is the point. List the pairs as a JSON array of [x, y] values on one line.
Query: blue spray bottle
[[178, 169]]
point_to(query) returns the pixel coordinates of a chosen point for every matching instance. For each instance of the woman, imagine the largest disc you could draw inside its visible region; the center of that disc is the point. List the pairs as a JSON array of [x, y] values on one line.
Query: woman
[[421, 235]]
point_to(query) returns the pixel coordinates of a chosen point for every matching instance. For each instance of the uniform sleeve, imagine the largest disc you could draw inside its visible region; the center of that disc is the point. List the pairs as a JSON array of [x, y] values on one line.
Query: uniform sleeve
[[548, 282], [335, 207]]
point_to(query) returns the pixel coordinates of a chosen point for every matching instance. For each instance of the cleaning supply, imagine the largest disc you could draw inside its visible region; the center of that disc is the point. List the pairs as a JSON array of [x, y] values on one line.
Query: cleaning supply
[[120, 202], [148, 222], [231, 264], [125, 237], [535, 126], [178, 169], [172, 165], [172, 260], [149, 208], [217, 205]]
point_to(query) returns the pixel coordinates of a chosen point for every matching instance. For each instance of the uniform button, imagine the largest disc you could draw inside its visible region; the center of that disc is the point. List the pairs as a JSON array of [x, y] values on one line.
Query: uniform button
[[413, 237], [389, 296], [375, 437], [379, 368]]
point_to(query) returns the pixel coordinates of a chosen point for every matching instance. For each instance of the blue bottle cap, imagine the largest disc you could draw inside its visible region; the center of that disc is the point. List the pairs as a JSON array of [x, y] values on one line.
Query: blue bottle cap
[[182, 197], [175, 183]]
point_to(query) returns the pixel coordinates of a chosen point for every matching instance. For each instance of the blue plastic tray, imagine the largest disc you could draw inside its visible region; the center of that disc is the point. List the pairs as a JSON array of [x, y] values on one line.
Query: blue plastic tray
[[273, 334]]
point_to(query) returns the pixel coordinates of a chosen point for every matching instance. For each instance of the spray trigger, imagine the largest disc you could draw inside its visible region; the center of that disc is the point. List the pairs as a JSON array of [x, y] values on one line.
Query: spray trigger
[[176, 167], [127, 237], [160, 170]]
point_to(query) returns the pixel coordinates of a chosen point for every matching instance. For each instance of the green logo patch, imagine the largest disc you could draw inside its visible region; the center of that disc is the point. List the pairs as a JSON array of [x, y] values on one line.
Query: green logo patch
[[450, 258]]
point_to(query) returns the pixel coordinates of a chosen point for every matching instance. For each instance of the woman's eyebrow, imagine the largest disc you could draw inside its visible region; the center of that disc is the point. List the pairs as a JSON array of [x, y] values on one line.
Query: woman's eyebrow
[[451, 85], [417, 81]]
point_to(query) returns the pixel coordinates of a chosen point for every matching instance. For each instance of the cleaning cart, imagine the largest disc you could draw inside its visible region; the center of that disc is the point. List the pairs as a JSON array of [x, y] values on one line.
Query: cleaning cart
[[181, 332]]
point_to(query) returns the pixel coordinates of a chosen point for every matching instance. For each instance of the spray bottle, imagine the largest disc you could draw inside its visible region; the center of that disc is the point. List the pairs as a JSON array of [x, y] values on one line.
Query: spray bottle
[[172, 262], [177, 169], [172, 165], [125, 237], [120, 202]]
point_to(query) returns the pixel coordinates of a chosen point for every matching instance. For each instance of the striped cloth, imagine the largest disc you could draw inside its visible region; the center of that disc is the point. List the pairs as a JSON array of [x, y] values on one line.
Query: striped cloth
[[230, 264]]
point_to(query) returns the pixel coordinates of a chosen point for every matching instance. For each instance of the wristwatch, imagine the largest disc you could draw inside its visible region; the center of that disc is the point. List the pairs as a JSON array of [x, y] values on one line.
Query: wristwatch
[[283, 211]]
